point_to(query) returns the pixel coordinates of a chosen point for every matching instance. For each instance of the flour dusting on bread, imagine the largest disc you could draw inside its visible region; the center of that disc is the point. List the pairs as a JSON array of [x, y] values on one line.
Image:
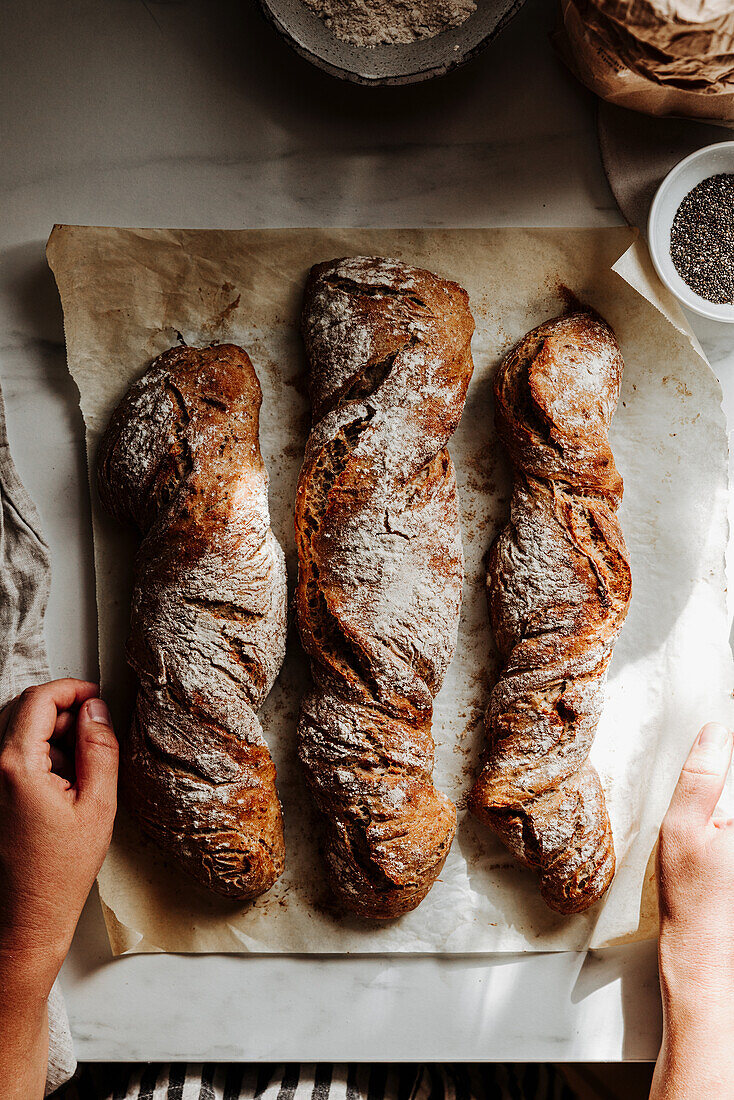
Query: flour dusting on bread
[[380, 568], [558, 588], [181, 459]]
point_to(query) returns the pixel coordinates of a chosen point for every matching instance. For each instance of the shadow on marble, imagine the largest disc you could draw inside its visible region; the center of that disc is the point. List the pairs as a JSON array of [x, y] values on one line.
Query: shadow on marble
[[38, 386], [446, 147], [630, 965], [36, 320]]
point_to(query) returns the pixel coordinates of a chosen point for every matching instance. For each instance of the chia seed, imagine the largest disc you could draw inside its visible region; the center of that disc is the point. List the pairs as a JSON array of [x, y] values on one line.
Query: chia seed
[[702, 239]]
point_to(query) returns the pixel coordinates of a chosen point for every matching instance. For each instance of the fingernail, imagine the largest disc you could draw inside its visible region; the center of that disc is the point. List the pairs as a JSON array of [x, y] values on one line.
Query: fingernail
[[714, 736], [98, 711]]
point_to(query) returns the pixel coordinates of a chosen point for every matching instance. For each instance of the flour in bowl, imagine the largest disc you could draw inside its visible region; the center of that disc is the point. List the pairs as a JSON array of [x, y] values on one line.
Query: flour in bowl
[[381, 22]]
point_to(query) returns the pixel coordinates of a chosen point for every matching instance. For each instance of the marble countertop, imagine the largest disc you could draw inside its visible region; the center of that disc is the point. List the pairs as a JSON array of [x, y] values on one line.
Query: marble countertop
[[193, 113]]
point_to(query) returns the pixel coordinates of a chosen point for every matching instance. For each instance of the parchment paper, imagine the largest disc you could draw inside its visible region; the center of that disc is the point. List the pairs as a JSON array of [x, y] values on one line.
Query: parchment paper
[[130, 294]]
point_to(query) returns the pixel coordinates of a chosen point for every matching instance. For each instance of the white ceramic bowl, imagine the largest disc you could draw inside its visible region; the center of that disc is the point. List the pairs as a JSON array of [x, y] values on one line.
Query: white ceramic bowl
[[709, 161]]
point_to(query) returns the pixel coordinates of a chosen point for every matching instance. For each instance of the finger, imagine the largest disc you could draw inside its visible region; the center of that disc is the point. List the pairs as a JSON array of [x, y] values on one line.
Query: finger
[[65, 721], [64, 725], [703, 776], [33, 719], [96, 756]]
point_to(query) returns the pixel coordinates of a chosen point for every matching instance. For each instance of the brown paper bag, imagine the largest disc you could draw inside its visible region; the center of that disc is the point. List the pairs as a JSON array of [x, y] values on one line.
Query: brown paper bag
[[661, 57]]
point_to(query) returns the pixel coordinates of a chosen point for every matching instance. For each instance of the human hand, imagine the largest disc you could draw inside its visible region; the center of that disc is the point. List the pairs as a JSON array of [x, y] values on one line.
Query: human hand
[[58, 778], [696, 946]]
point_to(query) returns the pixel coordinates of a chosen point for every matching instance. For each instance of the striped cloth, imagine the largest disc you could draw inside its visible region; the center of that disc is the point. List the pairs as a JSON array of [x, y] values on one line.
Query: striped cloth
[[319, 1082]]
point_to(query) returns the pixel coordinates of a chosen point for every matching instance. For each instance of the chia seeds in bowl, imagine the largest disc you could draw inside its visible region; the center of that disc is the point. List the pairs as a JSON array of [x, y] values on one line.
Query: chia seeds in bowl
[[690, 231], [702, 239]]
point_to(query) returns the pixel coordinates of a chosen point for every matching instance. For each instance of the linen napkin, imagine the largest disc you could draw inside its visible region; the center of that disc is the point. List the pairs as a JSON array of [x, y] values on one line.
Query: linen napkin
[[25, 576]]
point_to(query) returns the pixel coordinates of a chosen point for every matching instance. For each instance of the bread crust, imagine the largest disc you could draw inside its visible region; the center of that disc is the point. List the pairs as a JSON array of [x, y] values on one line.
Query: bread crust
[[558, 586], [181, 459], [380, 569]]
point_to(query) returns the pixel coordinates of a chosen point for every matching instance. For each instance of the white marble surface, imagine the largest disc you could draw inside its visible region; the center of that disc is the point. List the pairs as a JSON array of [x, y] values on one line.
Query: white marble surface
[[192, 113]]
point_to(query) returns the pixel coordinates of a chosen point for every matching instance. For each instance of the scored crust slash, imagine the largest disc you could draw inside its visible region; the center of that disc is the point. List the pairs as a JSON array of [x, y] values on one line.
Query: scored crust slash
[[558, 586]]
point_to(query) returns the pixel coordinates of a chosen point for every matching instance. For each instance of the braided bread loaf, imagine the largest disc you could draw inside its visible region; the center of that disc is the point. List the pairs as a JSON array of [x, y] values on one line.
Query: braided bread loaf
[[380, 569], [181, 459], [559, 587]]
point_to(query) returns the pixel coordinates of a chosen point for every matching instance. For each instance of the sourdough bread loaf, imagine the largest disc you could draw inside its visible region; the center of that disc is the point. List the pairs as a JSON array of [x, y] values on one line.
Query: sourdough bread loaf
[[380, 569], [181, 459], [559, 586]]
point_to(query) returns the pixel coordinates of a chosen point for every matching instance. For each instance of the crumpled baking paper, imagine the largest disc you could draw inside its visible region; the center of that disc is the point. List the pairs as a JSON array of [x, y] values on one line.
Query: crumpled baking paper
[[130, 294]]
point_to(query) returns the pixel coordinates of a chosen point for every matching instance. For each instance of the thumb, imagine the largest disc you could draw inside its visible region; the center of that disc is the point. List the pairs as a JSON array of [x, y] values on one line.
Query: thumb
[[704, 774], [96, 755]]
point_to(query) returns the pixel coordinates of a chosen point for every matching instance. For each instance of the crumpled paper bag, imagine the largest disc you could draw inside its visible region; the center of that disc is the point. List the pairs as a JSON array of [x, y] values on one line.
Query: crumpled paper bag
[[660, 57]]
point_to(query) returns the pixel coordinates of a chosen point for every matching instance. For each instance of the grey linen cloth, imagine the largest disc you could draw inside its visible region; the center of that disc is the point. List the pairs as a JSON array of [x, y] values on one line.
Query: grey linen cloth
[[25, 577]]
